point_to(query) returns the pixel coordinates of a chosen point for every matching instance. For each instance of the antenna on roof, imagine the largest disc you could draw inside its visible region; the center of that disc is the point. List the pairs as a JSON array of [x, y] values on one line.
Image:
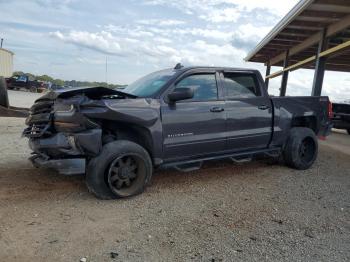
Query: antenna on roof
[[178, 66]]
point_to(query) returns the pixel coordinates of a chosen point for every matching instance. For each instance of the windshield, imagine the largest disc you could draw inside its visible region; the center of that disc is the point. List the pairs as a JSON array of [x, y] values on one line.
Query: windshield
[[150, 84]]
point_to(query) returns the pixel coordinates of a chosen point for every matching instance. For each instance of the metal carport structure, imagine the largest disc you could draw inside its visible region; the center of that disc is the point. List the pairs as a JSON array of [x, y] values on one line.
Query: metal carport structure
[[315, 34]]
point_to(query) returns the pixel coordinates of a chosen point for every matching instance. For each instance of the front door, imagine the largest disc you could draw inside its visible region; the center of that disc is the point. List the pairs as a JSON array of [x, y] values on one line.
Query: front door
[[194, 127]]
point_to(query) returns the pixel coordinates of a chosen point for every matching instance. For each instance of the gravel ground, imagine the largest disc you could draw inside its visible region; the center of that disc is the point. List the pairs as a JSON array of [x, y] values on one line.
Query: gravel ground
[[223, 212], [227, 212]]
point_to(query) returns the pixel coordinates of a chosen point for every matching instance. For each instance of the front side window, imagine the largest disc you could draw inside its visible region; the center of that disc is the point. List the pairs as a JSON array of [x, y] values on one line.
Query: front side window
[[240, 85], [203, 85]]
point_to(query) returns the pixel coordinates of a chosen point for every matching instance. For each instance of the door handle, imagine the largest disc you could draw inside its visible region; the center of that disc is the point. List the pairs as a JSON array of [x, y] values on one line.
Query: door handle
[[263, 107], [216, 109]]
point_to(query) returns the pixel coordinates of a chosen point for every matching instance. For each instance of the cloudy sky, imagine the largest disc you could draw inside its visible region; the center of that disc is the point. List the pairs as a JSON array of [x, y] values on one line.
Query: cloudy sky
[[71, 39]]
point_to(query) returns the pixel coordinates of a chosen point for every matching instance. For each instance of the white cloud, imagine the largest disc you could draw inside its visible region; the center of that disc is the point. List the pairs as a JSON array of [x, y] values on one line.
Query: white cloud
[[211, 33], [221, 15], [102, 41], [161, 22], [250, 31], [196, 6], [162, 40], [159, 51]]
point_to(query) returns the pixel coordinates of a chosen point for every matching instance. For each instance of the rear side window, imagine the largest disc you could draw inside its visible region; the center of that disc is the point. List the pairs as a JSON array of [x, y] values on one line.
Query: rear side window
[[203, 85], [238, 85]]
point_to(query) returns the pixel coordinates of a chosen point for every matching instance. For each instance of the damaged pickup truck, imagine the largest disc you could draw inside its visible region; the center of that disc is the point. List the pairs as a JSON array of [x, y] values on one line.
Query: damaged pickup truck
[[171, 118]]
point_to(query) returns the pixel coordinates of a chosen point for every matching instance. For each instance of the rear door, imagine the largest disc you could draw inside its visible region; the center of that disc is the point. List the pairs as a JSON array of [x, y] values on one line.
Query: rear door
[[248, 111], [194, 127]]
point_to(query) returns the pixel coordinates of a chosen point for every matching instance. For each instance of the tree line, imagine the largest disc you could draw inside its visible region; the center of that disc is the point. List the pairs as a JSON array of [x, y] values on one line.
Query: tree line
[[70, 83]]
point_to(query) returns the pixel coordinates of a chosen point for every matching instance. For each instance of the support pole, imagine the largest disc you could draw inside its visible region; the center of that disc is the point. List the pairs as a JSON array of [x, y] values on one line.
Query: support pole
[[268, 70], [320, 66], [284, 76]]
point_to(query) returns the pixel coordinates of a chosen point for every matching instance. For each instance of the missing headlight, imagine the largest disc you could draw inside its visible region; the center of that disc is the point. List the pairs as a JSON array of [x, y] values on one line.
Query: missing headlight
[[63, 108]]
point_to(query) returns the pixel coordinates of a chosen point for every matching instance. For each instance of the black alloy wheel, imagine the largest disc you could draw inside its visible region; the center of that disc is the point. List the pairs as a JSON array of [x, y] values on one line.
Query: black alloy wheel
[[307, 150], [301, 148], [122, 169], [124, 173]]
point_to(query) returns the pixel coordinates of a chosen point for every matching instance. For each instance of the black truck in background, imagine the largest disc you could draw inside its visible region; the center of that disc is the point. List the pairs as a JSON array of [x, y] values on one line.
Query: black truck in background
[[24, 82], [341, 116], [171, 118]]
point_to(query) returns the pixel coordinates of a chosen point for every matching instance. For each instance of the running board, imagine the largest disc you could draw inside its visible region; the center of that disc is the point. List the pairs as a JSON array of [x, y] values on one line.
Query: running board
[[275, 153], [241, 160], [236, 157], [189, 167]]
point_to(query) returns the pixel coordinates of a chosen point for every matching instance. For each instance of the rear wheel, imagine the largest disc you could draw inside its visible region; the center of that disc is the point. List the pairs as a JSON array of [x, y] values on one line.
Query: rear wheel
[[301, 149], [121, 170], [348, 130]]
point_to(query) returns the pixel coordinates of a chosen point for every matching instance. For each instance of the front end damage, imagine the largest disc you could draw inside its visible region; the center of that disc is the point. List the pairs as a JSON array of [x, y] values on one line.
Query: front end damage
[[65, 152], [60, 134]]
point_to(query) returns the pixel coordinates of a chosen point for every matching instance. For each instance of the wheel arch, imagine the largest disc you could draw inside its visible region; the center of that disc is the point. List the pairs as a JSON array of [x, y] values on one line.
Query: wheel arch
[[131, 132], [306, 121]]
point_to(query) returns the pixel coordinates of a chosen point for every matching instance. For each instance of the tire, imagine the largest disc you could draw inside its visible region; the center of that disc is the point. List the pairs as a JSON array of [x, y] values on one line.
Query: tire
[[113, 174], [348, 130], [301, 149]]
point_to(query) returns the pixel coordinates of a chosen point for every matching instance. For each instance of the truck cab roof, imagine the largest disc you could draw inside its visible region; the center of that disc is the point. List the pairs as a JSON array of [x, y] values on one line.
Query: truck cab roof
[[187, 68]]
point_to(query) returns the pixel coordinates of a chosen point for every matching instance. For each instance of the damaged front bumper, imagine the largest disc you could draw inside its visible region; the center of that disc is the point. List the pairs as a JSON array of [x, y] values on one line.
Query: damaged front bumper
[[66, 153], [62, 133], [70, 166], [88, 143]]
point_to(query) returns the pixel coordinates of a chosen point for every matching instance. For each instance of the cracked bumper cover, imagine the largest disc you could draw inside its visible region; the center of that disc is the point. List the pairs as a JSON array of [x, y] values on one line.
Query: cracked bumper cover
[[73, 166], [66, 153]]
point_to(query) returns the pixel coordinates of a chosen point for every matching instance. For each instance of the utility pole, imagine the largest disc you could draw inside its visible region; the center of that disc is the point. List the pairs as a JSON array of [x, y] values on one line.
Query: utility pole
[[106, 72]]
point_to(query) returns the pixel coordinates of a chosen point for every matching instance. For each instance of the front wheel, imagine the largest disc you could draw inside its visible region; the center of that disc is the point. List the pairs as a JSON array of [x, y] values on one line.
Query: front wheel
[[122, 169], [301, 149], [348, 130]]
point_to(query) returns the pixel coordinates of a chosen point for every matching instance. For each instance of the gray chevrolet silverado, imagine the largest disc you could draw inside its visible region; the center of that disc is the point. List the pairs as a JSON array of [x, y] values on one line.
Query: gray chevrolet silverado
[[171, 118]]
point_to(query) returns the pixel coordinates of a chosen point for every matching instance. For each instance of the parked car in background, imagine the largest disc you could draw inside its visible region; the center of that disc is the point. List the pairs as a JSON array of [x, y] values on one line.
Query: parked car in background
[[25, 82], [341, 116], [178, 118]]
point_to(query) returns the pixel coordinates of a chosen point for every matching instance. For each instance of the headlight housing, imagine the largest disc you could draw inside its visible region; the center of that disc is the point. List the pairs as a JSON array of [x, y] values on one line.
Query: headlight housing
[[63, 108], [68, 119]]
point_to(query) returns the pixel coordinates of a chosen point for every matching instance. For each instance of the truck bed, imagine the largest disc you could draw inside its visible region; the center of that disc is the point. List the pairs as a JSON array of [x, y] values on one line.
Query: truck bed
[[291, 109]]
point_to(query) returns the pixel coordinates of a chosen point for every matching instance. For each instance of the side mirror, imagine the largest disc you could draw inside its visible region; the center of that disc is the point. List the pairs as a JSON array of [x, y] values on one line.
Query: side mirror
[[180, 94]]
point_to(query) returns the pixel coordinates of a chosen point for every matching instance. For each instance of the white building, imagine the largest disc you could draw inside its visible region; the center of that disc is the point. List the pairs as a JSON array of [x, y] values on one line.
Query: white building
[[6, 63]]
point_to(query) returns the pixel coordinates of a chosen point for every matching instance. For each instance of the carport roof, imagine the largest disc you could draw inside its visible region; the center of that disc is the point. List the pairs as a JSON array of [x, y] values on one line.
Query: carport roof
[[300, 31]]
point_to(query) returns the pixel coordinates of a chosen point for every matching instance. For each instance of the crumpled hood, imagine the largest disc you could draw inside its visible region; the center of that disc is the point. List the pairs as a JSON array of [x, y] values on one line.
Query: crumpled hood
[[90, 92], [104, 103], [142, 111]]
